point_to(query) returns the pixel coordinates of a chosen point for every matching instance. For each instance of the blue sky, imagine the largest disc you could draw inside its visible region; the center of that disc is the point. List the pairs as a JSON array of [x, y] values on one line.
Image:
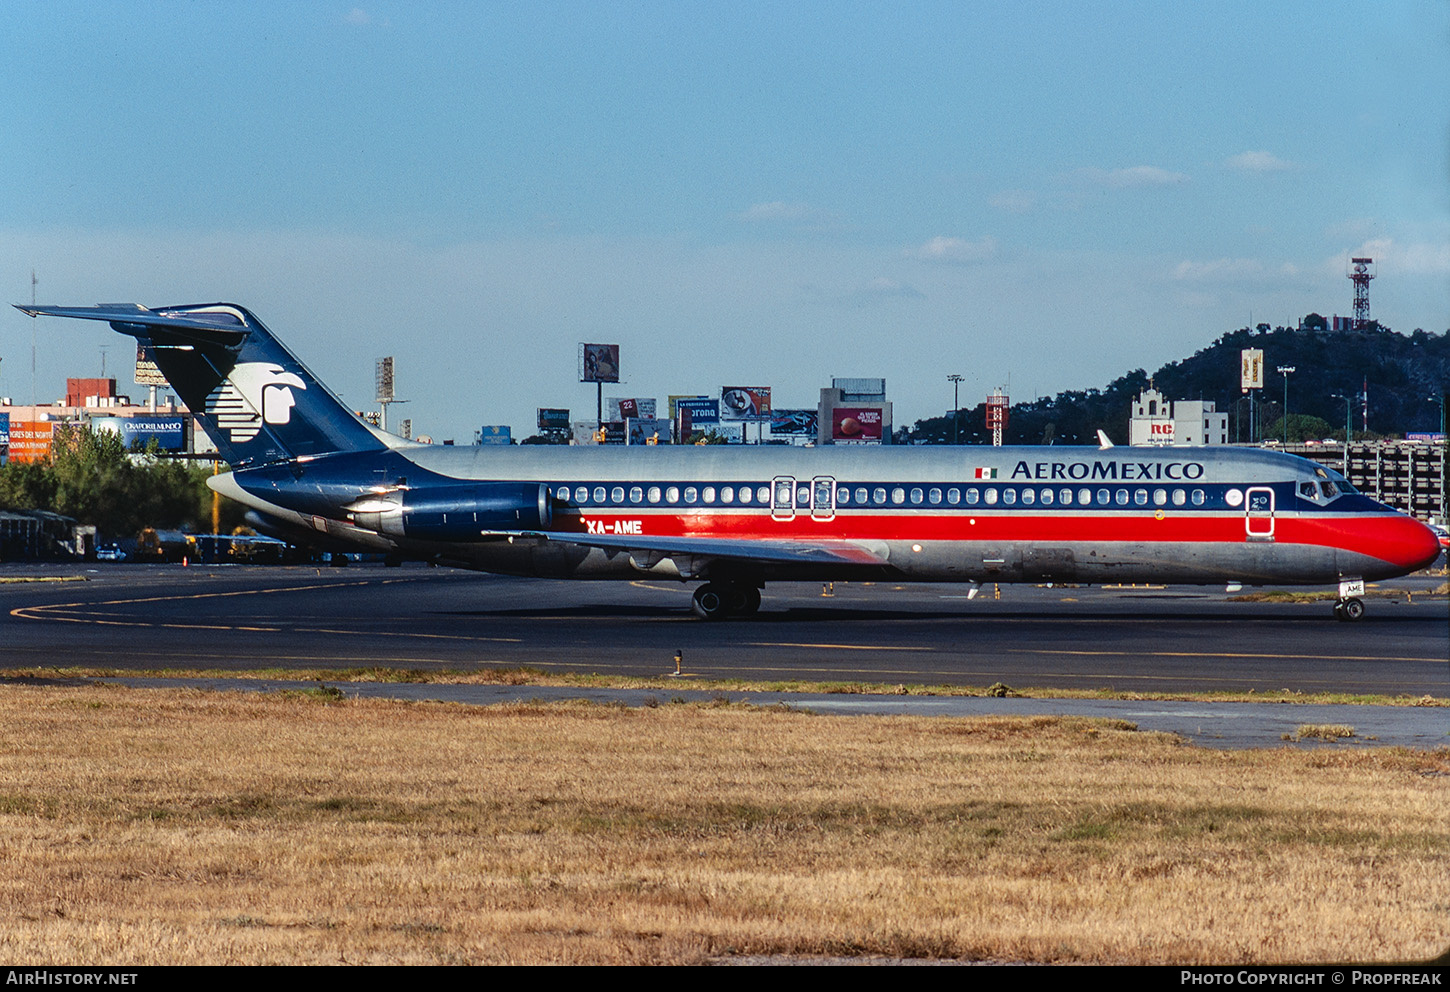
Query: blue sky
[[748, 193]]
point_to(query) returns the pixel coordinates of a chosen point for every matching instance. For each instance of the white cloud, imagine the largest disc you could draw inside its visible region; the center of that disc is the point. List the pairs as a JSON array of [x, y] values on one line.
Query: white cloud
[[1259, 161], [1233, 270], [955, 250], [1414, 258], [1133, 177]]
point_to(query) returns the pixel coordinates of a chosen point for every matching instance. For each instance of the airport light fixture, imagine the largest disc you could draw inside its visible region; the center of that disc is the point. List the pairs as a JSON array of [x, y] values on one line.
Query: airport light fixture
[[956, 381], [1284, 370]]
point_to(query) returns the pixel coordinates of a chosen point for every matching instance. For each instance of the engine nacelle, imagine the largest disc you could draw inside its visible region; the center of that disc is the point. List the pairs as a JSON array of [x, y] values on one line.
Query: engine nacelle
[[463, 512]]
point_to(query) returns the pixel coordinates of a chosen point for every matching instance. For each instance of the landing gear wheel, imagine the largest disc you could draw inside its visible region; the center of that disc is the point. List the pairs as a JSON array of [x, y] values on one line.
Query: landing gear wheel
[[749, 601], [711, 602], [1349, 609]]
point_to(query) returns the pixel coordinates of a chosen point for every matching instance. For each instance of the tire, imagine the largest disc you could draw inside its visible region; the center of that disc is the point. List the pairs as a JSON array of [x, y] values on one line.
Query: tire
[[1353, 609], [711, 602]]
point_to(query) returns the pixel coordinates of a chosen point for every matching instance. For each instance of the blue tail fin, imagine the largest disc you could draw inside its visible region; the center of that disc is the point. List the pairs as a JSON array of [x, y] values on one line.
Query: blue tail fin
[[254, 399]]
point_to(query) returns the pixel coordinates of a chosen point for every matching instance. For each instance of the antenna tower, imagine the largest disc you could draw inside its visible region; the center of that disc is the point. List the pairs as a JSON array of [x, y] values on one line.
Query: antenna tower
[[1361, 271]]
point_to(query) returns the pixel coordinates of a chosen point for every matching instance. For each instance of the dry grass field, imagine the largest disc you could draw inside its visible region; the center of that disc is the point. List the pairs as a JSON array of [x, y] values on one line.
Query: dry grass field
[[180, 827]]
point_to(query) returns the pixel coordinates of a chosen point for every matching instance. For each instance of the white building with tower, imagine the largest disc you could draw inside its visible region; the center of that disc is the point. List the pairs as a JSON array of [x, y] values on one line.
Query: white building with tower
[[1158, 421]]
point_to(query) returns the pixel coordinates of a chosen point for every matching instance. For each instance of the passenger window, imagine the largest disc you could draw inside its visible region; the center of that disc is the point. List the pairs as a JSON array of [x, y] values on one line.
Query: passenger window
[[672, 495], [861, 496], [1160, 497], [1179, 497], [1009, 496], [916, 497], [1141, 497], [1198, 497], [954, 497], [745, 494], [843, 495], [803, 496], [654, 494], [581, 494], [762, 494], [1065, 497], [1047, 497], [709, 494], [599, 494], [898, 495], [727, 495], [1029, 496], [972, 497], [1084, 497], [636, 494], [691, 494], [991, 496], [934, 497], [878, 496], [616, 495], [1122, 497]]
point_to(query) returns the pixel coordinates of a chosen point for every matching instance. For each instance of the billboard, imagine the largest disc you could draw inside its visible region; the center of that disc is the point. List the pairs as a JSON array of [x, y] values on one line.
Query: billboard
[[495, 435], [553, 420], [793, 423], [147, 374], [647, 431], [1251, 368], [619, 409], [30, 440], [4, 437], [598, 363], [745, 403], [856, 425], [702, 410], [169, 433]]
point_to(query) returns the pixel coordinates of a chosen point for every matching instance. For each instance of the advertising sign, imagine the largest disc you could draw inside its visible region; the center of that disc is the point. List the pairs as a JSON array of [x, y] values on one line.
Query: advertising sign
[[553, 420], [598, 363], [1251, 368], [793, 423], [495, 435], [651, 431], [856, 425], [169, 433], [621, 409], [745, 403], [4, 437], [147, 374], [1160, 432], [703, 412], [30, 440]]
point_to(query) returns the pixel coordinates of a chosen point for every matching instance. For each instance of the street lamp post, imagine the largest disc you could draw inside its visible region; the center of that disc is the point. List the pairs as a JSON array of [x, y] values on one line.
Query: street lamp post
[[1348, 422], [956, 382], [1284, 370]]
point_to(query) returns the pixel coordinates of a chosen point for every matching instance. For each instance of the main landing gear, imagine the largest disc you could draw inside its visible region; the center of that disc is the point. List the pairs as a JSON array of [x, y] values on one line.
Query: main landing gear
[[718, 600]]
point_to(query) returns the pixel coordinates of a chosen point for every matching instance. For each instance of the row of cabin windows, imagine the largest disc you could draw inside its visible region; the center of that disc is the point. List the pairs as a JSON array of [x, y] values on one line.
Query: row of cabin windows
[[880, 495]]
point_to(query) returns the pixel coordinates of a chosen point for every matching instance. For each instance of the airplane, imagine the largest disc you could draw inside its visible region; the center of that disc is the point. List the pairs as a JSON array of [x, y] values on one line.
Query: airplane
[[733, 518]]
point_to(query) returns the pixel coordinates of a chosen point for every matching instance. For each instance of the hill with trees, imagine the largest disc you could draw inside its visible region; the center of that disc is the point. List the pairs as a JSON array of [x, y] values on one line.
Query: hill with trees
[[1404, 376]]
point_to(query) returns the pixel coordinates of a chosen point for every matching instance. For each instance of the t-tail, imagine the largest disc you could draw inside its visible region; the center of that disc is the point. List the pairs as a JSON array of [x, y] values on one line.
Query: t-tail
[[254, 399]]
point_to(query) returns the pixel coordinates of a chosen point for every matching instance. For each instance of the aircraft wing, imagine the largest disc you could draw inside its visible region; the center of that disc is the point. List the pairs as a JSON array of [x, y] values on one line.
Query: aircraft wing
[[820, 552], [133, 319]]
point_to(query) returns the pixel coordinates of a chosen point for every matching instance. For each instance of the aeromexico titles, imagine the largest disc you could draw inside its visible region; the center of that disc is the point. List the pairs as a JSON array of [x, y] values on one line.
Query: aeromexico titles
[[733, 518]]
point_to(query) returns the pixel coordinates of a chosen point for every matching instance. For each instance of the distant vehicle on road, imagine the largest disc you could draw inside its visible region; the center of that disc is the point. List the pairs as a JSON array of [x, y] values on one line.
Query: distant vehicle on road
[[110, 552]]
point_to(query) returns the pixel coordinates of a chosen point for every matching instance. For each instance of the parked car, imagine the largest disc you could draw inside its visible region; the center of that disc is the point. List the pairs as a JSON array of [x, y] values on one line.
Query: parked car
[[110, 552]]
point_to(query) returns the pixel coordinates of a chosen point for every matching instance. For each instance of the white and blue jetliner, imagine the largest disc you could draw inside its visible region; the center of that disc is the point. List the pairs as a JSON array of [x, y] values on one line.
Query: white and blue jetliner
[[733, 518]]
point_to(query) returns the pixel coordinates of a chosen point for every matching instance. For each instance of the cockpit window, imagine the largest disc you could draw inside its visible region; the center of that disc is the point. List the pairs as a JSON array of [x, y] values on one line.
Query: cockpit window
[[1329, 489], [1307, 490]]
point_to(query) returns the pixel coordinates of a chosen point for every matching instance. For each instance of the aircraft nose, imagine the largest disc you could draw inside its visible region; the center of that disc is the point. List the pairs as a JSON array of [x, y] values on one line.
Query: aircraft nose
[[1412, 546]]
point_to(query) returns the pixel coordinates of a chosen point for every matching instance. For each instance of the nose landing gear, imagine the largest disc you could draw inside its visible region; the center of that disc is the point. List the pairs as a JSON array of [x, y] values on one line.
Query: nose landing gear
[[1348, 609]]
